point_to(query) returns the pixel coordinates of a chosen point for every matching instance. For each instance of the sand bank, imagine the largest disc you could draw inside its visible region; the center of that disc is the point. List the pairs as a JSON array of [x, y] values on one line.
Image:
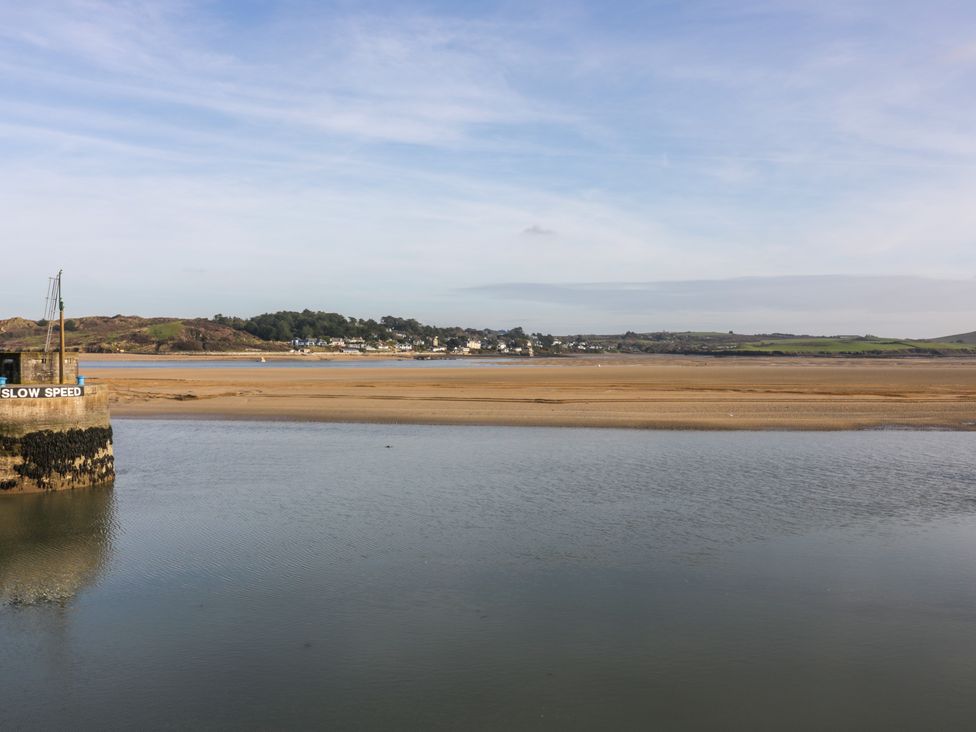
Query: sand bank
[[639, 392]]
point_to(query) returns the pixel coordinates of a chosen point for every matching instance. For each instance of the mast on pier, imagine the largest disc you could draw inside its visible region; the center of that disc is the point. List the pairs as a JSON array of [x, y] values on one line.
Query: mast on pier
[[54, 301]]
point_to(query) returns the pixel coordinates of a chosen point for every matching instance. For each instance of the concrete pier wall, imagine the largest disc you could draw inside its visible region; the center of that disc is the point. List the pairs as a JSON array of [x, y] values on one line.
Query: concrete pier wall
[[55, 443]]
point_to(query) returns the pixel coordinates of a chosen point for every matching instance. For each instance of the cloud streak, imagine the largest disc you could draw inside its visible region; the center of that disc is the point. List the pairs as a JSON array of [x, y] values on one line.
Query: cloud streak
[[742, 294], [536, 230], [772, 303], [408, 148]]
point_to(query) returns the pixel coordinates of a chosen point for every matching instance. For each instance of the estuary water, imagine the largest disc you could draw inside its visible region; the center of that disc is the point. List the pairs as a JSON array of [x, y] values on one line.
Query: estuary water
[[248, 575], [255, 363]]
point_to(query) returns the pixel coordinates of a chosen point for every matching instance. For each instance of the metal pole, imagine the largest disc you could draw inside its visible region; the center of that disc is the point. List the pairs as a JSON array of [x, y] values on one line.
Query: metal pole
[[61, 352]]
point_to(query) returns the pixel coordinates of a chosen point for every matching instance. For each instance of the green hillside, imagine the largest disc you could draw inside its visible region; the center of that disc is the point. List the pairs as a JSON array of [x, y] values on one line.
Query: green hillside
[[132, 334], [962, 338], [859, 346]]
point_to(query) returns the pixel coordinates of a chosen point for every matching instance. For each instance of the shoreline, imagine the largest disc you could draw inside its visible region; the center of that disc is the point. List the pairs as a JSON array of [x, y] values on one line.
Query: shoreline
[[644, 393], [272, 356], [226, 417]]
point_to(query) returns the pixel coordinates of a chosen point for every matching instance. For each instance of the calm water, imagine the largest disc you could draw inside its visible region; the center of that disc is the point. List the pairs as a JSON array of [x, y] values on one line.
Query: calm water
[[266, 576], [371, 363]]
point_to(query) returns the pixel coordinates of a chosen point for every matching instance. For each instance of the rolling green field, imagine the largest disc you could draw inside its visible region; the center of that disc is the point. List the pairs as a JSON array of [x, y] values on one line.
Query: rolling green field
[[858, 346], [781, 344]]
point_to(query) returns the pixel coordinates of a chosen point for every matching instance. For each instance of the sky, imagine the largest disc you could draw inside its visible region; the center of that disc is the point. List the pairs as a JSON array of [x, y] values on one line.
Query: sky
[[753, 165]]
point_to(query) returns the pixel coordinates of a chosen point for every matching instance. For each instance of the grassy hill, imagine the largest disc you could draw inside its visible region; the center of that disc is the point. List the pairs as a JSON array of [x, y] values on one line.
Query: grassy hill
[[783, 344], [854, 346], [132, 334], [962, 338]]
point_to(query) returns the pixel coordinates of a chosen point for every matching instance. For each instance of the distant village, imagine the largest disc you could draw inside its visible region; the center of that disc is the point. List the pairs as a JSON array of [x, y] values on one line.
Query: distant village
[[315, 331], [309, 331], [500, 343]]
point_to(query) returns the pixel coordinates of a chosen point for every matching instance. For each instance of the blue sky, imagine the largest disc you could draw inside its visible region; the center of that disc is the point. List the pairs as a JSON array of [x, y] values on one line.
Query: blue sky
[[460, 162]]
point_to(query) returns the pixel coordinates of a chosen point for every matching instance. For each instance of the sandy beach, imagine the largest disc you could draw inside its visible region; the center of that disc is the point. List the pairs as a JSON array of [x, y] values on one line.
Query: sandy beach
[[635, 392]]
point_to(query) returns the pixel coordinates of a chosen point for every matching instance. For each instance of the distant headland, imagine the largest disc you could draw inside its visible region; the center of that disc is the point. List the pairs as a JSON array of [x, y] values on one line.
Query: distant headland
[[309, 331]]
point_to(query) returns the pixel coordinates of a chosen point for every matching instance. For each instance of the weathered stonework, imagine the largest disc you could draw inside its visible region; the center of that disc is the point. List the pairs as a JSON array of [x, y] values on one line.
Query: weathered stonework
[[53, 444], [37, 367]]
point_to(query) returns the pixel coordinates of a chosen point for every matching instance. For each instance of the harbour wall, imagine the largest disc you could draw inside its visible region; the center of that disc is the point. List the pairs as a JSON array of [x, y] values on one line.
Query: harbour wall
[[55, 443]]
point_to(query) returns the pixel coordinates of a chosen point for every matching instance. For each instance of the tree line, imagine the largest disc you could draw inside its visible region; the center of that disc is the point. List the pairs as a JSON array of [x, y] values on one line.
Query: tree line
[[286, 325]]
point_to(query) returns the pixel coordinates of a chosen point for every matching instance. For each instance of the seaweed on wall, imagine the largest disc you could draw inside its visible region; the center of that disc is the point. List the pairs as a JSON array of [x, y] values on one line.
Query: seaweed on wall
[[76, 456]]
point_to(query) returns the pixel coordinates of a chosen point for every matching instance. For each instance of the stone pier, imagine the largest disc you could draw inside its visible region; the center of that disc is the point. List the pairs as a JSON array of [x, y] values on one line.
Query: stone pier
[[54, 437]]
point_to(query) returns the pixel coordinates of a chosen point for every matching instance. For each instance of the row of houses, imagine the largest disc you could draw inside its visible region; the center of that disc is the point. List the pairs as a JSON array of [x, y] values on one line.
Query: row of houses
[[521, 346]]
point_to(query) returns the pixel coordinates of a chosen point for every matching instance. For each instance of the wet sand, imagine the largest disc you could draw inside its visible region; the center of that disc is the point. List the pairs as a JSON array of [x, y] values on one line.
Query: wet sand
[[637, 392]]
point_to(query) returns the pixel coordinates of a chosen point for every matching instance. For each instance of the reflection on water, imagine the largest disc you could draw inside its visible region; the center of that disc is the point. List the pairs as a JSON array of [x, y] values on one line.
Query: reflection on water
[[53, 545], [247, 575]]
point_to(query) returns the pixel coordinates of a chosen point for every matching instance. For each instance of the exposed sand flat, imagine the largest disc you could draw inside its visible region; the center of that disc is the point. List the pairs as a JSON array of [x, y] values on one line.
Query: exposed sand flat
[[641, 392]]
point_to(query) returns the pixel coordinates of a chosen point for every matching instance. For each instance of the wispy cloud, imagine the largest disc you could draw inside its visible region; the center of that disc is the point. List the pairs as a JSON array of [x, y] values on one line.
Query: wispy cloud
[[408, 79], [408, 149]]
